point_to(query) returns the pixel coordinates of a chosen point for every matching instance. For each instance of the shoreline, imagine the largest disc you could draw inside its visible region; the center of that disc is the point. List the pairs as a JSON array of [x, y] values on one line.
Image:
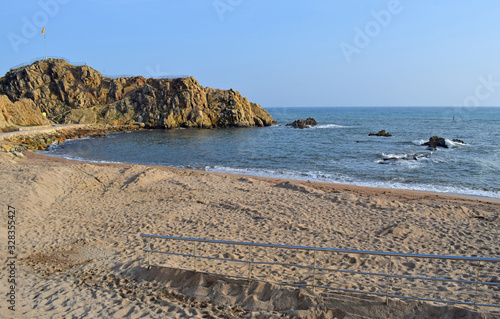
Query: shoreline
[[365, 191], [40, 138]]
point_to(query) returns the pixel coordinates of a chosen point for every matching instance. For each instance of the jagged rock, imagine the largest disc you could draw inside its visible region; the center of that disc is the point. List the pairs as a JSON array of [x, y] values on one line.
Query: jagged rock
[[381, 133], [80, 94], [81, 116], [21, 113], [435, 142], [303, 123]]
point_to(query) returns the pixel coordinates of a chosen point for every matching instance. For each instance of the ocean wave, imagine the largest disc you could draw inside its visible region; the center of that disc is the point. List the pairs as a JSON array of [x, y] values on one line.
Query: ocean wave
[[341, 179], [452, 190], [80, 159], [451, 143], [418, 142], [399, 158], [321, 126], [325, 177], [330, 126], [281, 173]]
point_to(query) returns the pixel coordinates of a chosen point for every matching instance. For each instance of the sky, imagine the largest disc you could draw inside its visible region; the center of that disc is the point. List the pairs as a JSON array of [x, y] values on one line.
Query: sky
[[277, 53]]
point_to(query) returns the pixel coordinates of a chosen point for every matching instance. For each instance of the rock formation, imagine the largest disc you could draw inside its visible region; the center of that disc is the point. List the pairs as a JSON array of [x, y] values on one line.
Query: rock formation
[[21, 113], [435, 142], [303, 123], [381, 133], [80, 94]]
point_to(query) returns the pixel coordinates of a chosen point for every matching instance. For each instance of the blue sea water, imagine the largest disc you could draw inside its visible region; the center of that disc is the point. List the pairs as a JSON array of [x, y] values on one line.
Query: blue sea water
[[338, 150]]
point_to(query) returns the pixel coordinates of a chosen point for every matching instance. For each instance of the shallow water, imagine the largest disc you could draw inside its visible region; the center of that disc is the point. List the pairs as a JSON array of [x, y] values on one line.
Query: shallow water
[[337, 150]]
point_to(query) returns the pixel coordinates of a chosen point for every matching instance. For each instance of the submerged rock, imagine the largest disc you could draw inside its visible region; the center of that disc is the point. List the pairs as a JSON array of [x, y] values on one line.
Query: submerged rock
[[381, 133], [309, 122], [71, 94]]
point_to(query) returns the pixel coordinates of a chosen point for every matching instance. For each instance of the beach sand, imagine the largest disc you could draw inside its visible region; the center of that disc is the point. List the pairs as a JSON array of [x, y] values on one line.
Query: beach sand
[[79, 253]]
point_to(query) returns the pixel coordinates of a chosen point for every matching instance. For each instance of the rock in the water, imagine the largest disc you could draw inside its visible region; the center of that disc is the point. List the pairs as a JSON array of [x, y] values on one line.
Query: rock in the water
[[456, 140], [309, 122], [407, 157], [80, 94], [435, 142], [381, 133]]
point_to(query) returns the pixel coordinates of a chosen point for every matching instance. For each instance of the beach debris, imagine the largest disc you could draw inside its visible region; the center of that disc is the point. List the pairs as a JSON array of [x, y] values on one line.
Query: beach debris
[[307, 123], [381, 133]]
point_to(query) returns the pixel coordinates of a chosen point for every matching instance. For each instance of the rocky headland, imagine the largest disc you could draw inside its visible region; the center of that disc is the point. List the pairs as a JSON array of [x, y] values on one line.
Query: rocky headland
[[69, 94]]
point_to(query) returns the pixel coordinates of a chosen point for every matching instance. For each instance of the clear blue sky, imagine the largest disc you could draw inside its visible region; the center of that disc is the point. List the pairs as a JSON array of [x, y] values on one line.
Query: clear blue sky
[[276, 52]]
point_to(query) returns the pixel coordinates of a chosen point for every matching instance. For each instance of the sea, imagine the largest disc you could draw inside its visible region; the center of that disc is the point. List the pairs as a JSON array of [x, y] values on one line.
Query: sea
[[337, 150]]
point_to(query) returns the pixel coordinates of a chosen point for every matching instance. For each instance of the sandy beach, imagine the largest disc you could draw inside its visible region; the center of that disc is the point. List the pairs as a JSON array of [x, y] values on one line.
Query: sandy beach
[[79, 253]]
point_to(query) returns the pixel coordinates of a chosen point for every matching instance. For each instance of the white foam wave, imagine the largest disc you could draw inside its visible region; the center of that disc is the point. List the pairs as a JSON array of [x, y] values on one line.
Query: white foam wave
[[324, 177], [395, 156], [341, 179], [80, 159], [451, 143], [418, 142], [288, 174], [331, 126], [453, 190], [410, 157]]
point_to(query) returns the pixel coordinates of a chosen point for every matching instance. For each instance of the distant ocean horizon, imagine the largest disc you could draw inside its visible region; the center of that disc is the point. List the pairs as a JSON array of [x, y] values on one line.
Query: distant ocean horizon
[[337, 150]]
